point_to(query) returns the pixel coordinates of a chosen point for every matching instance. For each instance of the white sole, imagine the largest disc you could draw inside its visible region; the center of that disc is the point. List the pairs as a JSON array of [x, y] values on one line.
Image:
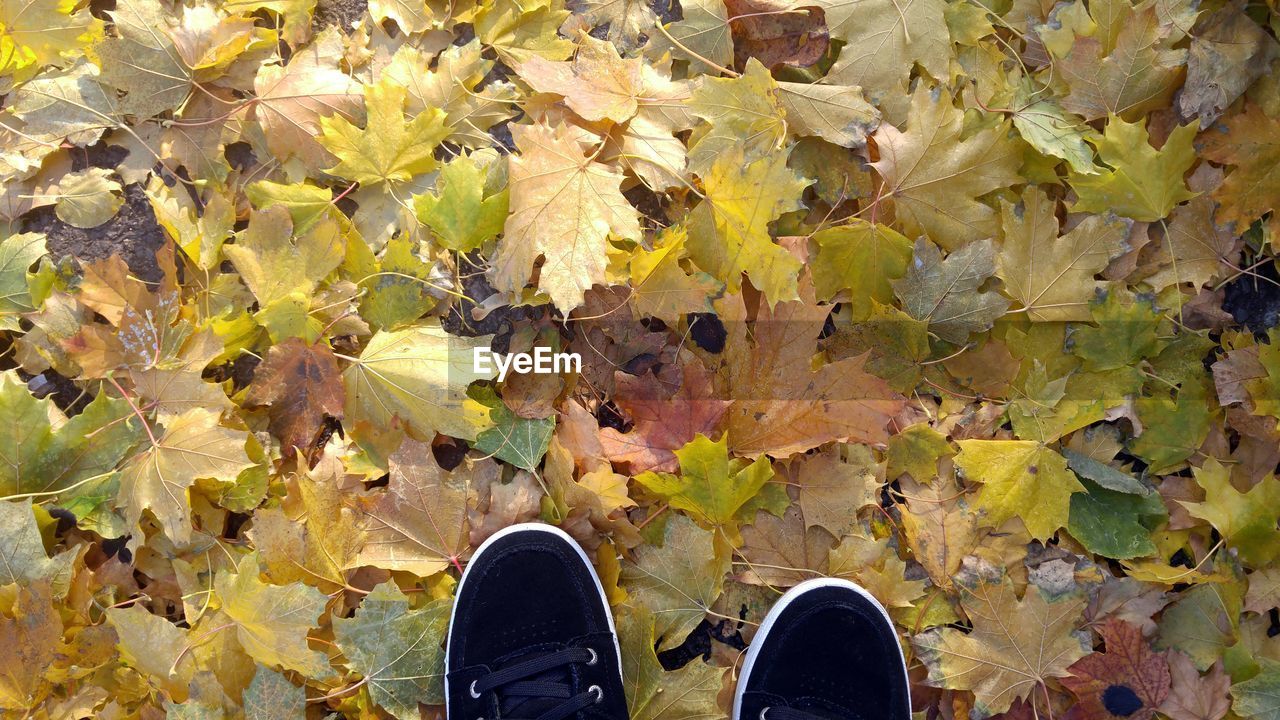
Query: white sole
[[530, 527], [776, 611]]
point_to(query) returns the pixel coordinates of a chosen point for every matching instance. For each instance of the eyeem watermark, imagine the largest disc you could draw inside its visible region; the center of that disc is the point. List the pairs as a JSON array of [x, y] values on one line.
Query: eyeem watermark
[[542, 361]]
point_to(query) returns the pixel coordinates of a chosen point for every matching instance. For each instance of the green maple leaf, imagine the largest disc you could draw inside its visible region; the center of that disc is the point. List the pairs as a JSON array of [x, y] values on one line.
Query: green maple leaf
[[398, 285], [711, 487], [652, 692], [398, 650], [39, 457], [1203, 623], [1247, 520], [511, 438], [1259, 696], [465, 212], [1115, 524], [1174, 428], [1143, 183], [270, 696], [862, 257], [679, 580], [17, 254], [944, 291], [1125, 333], [387, 148]]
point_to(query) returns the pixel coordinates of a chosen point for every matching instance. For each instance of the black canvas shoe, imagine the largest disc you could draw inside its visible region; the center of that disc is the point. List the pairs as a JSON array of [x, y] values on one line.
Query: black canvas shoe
[[531, 636], [826, 651]]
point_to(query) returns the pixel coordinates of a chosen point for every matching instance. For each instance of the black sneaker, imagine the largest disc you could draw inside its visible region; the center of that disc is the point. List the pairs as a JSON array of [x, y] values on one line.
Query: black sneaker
[[826, 651], [531, 635]]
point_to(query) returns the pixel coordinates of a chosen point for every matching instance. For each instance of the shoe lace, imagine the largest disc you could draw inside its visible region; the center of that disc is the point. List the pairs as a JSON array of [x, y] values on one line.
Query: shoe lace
[[539, 680]]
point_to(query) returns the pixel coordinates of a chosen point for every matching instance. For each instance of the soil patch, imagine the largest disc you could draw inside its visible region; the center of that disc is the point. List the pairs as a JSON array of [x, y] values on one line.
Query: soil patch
[[1254, 300], [133, 234], [343, 13]]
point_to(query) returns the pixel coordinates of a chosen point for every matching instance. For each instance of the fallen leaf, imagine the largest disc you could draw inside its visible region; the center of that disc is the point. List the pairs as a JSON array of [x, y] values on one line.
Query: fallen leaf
[[999, 661], [564, 206], [1127, 680], [663, 421], [1020, 478], [301, 384], [780, 404], [944, 292], [1192, 697], [190, 447], [398, 651], [934, 175]]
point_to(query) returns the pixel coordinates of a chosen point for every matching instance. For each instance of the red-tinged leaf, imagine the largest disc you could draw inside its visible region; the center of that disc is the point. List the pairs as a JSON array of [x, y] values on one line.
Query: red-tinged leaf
[[1126, 680], [666, 419]]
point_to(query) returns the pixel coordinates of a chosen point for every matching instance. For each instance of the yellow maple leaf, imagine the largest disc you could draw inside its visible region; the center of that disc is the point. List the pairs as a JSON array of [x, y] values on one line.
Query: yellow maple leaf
[[272, 621], [387, 148], [563, 205], [419, 374], [1020, 478], [292, 98], [35, 33], [1143, 183], [729, 231], [934, 172], [599, 84], [1053, 276], [1015, 645], [192, 446]]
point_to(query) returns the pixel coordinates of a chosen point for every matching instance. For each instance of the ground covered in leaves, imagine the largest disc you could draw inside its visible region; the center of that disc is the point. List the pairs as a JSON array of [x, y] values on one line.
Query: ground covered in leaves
[[970, 303]]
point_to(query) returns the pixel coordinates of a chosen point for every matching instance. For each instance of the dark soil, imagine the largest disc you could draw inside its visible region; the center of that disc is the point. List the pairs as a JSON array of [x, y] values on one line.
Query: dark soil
[[499, 323], [501, 134], [668, 11], [1254, 300], [343, 13], [707, 332], [133, 233], [240, 156], [651, 204], [70, 398], [698, 644], [609, 416]]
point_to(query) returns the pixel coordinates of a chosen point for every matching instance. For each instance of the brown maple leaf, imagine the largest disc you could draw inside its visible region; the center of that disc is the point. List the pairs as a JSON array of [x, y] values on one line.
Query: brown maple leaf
[[1193, 697], [302, 385], [777, 33], [665, 418], [780, 404], [142, 334], [420, 524], [1247, 141], [1127, 680]]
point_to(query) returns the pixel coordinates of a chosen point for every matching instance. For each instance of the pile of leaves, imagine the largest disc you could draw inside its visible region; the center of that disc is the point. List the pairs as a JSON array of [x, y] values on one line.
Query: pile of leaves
[[973, 304]]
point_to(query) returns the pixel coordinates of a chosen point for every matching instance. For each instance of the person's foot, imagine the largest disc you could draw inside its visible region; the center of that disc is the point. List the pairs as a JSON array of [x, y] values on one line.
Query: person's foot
[[531, 635], [826, 651]]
